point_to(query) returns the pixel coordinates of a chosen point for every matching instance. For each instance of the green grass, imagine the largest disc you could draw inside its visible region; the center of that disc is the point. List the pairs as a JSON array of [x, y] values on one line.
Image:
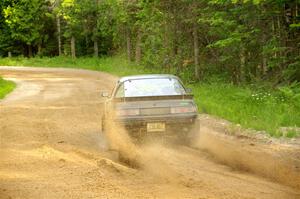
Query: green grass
[[6, 87], [114, 65], [251, 108], [259, 110]]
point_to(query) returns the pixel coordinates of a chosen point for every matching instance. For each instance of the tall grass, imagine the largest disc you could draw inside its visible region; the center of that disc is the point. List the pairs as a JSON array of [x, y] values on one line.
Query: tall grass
[[252, 108], [5, 87], [261, 110]]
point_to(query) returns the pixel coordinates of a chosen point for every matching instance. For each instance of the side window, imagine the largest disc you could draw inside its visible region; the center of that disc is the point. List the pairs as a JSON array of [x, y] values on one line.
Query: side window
[[120, 92], [179, 87]]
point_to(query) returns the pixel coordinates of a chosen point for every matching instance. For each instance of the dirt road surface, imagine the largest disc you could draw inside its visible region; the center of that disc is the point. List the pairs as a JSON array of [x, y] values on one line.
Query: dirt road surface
[[51, 147]]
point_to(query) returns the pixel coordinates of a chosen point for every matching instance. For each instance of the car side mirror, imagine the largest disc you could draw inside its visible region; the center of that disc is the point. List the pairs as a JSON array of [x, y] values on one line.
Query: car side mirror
[[104, 94], [189, 90]]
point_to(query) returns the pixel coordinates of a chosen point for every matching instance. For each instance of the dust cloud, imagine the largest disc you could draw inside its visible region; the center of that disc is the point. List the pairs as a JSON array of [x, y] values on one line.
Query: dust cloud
[[149, 156], [240, 155]]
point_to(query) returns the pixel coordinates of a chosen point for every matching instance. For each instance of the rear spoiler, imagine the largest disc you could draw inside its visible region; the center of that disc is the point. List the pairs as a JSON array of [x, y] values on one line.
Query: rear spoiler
[[144, 98]]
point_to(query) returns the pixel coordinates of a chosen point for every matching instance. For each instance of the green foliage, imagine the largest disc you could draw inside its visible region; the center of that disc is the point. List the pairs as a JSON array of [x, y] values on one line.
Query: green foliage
[[70, 11], [290, 93], [5, 87], [245, 41], [25, 19]]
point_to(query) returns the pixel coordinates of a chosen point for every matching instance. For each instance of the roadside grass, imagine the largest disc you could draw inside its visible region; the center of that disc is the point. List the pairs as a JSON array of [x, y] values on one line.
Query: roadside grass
[[115, 65], [267, 111], [6, 87], [257, 109]]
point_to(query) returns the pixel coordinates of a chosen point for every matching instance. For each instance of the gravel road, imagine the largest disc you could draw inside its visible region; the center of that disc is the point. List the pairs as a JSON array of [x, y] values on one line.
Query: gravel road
[[51, 147]]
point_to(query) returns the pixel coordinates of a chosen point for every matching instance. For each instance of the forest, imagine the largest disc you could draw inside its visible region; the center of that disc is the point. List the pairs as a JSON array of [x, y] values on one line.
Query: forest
[[236, 41]]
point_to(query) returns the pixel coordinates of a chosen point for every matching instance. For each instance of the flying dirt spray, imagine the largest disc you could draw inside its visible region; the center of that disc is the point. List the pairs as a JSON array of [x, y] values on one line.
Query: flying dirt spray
[[120, 141]]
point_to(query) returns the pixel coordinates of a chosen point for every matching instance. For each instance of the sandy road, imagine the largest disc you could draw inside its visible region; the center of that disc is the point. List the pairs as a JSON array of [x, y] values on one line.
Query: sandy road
[[51, 147]]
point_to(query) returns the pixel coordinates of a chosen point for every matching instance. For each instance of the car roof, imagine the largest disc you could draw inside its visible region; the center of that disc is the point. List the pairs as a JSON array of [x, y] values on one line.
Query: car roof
[[152, 76]]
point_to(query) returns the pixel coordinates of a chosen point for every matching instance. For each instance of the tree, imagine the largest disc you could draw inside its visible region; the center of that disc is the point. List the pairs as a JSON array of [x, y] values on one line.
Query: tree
[[6, 42], [70, 11], [238, 41], [25, 19]]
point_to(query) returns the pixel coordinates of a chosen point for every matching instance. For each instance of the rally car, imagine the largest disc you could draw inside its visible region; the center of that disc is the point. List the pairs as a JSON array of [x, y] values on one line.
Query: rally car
[[148, 105]]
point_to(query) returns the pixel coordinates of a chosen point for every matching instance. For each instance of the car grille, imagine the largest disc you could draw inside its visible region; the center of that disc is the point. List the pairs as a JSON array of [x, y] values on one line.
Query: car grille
[[154, 111]]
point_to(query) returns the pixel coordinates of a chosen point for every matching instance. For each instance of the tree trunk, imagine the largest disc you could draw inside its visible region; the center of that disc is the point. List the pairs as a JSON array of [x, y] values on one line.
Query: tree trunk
[[274, 32], [73, 50], [39, 49], [96, 48], [264, 56], [9, 54], [296, 10], [264, 59], [166, 46], [95, 30], [128, 42], [58, 35], [196, 52], [30, 51], [138, 49], [264, 65], [243, 64]]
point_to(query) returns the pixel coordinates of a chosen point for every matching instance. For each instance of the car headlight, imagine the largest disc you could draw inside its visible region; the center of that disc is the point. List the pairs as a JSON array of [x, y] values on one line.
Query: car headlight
[[127, 112], [184, 109]]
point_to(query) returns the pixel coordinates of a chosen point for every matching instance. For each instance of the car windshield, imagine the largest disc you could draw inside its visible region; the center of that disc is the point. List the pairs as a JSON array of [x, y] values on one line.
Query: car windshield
[[150, 87]]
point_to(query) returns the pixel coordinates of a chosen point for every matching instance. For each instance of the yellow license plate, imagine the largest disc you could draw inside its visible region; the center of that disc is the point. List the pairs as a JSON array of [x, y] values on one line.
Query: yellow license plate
[[156, 127]]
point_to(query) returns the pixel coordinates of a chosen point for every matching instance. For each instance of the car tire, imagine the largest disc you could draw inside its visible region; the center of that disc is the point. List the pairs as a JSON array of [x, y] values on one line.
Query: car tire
[[188, 138]]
